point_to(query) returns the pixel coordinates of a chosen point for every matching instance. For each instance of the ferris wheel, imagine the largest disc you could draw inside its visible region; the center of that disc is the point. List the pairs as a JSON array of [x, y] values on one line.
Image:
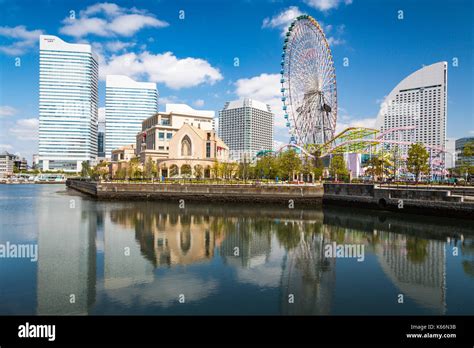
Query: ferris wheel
[[308, 83]]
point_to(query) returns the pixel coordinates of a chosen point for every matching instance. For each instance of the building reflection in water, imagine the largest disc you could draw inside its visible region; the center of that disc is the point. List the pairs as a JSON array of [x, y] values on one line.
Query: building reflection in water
[[246, 246], [67, 257], [273, 249], [417, 267], [124, 264], [167, 238], [308, 276], [414, 264]]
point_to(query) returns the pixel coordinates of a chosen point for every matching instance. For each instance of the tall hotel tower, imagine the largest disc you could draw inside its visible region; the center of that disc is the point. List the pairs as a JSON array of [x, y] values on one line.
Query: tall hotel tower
[[68, 104], [127, 104], [246, 126], [419, 100]]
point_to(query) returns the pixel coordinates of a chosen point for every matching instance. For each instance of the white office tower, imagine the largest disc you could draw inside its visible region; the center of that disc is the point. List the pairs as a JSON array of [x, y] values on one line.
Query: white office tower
[[419, 101], [127, 104], [246, 126], [68, 104]]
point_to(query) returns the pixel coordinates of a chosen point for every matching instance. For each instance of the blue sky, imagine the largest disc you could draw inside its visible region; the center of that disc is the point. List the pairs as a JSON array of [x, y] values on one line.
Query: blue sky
[[192, 58]]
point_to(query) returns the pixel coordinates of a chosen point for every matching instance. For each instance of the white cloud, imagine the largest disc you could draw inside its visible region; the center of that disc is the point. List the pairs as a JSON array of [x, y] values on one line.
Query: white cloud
[[25, 129], [162, 292], [118, 45], [5, 147], [171, 99], [199, 103], [113, 21], [333, 33], [163, 68], [332, 41], [84, 26], [345, 121], [264, 88], [109, 9], [326, 5], [282, 20], [128, 25], [22, 39], [6, 110]]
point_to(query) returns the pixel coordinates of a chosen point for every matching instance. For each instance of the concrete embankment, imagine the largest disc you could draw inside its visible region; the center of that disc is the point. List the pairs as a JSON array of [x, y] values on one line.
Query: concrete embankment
[[426, 201], [200, 192], [440, 202]]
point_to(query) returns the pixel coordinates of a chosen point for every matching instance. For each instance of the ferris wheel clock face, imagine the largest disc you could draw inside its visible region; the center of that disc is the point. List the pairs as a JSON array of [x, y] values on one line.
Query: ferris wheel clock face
[[308, 83]]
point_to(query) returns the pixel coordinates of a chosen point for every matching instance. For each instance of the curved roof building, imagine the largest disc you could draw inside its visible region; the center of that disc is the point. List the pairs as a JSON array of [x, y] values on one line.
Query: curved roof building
[[419, 100]]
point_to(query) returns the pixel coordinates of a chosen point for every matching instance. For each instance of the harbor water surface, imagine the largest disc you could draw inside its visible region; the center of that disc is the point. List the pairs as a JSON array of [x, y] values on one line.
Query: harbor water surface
[[157, 258]]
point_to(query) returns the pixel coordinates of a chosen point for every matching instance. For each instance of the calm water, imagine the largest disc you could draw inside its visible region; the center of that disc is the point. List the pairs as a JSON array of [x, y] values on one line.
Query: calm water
[[138, 258]]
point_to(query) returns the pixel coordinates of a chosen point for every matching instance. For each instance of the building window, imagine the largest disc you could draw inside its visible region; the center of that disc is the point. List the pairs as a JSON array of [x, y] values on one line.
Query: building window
[[161, 136], [186, 146], [169, 135], [208, 150]]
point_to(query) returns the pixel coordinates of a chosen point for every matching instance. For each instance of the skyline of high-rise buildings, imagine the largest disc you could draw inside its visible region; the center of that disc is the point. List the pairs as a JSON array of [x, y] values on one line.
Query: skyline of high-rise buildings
[[69, 126], [68, 104], [127, 104]]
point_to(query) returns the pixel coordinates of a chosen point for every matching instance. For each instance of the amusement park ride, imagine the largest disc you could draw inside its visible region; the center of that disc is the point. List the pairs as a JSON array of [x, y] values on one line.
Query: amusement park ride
[[309, 97]]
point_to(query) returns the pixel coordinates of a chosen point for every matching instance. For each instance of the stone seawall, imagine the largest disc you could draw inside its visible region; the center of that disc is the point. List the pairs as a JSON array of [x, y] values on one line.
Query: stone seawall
[[86, 187], [419, 201], [200, 192]]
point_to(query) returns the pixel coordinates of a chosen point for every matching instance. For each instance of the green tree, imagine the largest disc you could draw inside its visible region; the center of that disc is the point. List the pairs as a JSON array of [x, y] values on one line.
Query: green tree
[[86, 170], [395, 158], [337, 167], [468, 150], [216, 169], [230, 170], [417, 160], [267, 166], [134, 170], [307, 167], [467, 153], [100, 171], [121, 173], [378, 165], [244, 170], [318, 165], [288, 164], [150, 168], [224, 168]]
